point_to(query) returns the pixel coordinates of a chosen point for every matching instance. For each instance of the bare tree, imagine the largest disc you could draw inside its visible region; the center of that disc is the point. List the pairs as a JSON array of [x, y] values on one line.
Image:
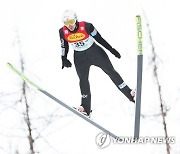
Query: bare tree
[[163, 107], [25, 101], [27, 111], [27, 114]]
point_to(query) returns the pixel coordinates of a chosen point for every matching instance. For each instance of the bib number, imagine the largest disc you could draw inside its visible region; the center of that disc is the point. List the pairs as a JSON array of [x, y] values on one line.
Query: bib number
[[83, 44], [79, 44]]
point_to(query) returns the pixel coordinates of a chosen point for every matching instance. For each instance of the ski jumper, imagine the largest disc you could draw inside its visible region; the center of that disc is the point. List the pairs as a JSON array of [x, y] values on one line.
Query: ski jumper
[[87, 53]]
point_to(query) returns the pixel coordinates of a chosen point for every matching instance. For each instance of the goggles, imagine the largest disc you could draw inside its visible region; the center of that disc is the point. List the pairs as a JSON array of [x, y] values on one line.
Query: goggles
[[70, 22]]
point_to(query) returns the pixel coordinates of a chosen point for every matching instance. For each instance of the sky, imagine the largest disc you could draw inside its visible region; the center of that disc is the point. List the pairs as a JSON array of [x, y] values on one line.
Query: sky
[[31, 28]]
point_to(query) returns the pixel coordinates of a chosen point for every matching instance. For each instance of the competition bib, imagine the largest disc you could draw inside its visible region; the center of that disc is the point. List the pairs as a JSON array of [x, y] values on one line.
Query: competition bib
[[83, 45], [80, 40]]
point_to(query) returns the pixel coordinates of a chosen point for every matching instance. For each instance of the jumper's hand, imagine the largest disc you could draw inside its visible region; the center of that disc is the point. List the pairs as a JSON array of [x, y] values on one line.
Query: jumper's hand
[[115, 52], [65, 62]]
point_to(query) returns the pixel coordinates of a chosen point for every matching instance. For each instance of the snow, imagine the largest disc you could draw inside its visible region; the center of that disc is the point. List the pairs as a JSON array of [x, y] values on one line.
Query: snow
[[31, 27]]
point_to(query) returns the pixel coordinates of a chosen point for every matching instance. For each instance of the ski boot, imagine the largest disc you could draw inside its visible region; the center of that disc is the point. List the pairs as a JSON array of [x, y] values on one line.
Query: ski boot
[[82, 110], [133, 95]]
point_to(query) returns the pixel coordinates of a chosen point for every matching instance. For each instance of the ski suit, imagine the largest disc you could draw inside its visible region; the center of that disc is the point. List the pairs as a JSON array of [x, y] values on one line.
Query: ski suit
[[87, 53]]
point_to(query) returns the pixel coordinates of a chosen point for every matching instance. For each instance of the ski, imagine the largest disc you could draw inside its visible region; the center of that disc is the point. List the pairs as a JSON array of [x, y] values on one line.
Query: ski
[[139, 76], [26, 79]]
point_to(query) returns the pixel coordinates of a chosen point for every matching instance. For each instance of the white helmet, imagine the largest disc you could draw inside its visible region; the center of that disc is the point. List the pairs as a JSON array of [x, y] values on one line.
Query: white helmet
[[68, 15]]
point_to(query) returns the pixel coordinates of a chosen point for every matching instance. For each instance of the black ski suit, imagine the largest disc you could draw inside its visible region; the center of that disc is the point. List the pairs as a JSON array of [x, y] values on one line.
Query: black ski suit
[[93, 54]]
